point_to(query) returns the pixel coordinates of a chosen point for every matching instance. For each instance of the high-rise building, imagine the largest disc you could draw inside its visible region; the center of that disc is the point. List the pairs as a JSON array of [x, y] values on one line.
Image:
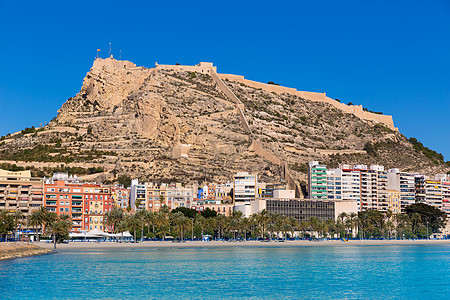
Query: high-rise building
[[138, 195], [20, 192], [405, 184], [373, 187], [245, 187], [419, 188], [433, 193], [317, 181], [446, 197], [344, 184]]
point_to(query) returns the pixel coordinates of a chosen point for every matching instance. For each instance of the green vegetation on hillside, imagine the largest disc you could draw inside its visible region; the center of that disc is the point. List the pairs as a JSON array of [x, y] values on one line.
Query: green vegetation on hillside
[[431, 154], [53, 152], [48, 171]]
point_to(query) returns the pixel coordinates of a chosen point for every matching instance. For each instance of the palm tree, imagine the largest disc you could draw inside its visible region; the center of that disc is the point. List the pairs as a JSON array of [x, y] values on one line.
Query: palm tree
[[134, 222], [6, 222], [150, 219], [56, 228], [35, 221], [162, 221], [293, 225], [245, 225], [262, 218], [113, 218], [353, 221], [303, 227], [331, 225], [18, 220], [182, 223], [220, 223], [66, 218], [314, 224], [142, 214]]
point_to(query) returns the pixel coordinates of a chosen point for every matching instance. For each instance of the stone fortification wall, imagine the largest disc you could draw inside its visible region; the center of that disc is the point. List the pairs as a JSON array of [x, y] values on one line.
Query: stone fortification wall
[[110, 62], [203, 67], [291, 183], [255, 145], [239, 105], [259, 149], [357, 110]]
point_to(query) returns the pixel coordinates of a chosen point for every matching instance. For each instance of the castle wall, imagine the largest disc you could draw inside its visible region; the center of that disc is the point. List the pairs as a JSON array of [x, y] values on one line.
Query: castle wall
[[205, 68], [357, 110], [259, 149]]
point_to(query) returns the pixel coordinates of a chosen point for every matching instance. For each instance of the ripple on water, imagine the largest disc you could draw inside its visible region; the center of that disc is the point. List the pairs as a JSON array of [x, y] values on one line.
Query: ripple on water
[[354, 272]]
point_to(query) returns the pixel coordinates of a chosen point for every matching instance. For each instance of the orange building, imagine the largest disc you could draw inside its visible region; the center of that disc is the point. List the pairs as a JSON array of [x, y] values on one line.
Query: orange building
[[86, 204]]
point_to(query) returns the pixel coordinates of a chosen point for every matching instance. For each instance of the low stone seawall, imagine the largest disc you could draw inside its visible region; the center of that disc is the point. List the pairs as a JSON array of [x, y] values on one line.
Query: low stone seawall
[[20, 249]]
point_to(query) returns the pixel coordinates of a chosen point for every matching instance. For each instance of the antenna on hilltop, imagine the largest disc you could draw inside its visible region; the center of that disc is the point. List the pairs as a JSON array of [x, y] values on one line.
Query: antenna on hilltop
[[120, 54], [109, 49]]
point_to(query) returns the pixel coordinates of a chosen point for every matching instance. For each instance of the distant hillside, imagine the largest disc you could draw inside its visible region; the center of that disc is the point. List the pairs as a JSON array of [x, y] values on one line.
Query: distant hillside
[[184, 123]]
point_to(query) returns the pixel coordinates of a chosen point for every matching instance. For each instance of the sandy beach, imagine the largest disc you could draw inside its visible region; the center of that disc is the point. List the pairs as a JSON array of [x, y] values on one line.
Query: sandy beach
[[200, 244]]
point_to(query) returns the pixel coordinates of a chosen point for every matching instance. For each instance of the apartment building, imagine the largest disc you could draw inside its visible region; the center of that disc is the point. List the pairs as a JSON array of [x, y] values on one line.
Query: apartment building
[[433, 193], [374, 183], [86, 204], [405, 184], [138, 195], [120, 196], [224, 192], [245, 187], [419, 188], [153, 196], [19, 191], [344, 184], [97, 202], [394, 201], [225, 209], [317, 181], [446, 197]]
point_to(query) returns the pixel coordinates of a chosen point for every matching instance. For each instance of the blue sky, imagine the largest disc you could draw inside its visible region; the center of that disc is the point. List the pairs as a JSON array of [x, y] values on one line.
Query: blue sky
[[389, 56]]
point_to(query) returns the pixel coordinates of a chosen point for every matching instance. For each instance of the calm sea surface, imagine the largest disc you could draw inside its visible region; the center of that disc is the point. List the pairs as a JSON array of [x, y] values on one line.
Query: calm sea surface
[[349, 272]]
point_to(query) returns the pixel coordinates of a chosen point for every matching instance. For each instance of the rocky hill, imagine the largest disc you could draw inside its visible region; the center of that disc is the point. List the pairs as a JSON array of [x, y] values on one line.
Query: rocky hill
[[189, 123]]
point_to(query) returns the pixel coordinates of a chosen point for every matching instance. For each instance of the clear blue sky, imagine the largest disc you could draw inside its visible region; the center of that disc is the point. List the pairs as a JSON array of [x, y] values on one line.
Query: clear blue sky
[[389, 56]]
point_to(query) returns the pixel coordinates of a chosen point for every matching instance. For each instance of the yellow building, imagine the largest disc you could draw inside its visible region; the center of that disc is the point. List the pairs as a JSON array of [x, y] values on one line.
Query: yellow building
[[394, 201], [20, 192]]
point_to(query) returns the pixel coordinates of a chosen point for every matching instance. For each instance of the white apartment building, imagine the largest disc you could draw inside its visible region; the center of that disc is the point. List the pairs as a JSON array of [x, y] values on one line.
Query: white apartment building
[[138, 195], [374, 184], [344, 184], [245, 187]]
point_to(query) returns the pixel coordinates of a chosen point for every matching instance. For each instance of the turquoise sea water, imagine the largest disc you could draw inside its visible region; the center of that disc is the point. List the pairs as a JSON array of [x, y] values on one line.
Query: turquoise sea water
[[312, 272]]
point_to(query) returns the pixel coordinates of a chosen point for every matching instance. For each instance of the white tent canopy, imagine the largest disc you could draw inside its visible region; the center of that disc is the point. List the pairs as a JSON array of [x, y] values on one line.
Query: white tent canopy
[[125, 234], [96, 233]]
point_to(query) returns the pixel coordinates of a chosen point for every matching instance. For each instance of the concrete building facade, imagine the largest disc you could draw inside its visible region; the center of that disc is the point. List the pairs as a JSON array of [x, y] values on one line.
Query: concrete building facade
[[317, 181], [19, 191], [245, 187]]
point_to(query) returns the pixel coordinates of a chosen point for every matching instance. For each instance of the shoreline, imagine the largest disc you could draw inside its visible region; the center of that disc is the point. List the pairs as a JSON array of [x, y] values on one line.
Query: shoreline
[[217, 244], [12, 250]]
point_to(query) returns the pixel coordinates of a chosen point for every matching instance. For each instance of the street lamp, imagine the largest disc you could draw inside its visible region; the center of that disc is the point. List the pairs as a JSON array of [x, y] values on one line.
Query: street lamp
[[427, 230]]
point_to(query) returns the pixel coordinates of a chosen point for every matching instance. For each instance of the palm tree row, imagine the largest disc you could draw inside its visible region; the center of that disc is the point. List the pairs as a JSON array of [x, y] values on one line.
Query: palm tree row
[[57, 227], [185, 223]]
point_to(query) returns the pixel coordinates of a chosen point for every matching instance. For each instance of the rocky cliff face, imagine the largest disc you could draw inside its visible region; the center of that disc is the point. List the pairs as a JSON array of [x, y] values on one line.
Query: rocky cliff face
[[163, 124]]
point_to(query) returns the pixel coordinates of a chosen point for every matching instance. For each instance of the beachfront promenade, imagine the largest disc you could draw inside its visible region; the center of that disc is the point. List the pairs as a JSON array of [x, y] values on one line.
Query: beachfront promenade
[[188, 244]]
